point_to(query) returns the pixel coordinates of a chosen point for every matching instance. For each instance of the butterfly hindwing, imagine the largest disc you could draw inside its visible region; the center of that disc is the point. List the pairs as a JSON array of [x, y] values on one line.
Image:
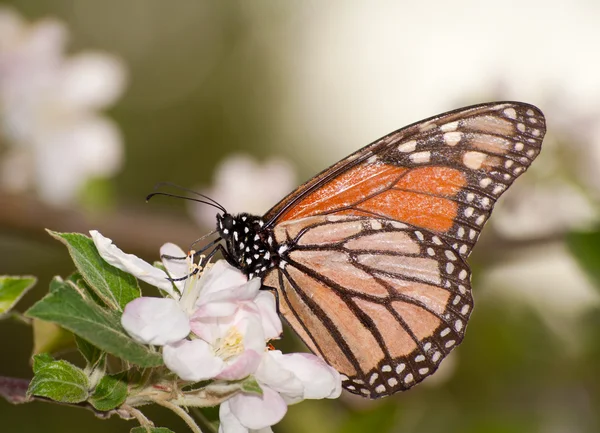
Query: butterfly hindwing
[[381, 301]]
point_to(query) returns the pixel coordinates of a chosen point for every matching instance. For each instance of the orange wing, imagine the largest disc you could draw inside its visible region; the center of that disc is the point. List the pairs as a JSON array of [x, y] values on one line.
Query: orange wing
[[380, 301], [443, 174], [372, 273]]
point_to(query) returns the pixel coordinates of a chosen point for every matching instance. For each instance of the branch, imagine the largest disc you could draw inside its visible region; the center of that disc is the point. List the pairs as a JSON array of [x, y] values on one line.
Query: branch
[[140, 230], [14, 390]]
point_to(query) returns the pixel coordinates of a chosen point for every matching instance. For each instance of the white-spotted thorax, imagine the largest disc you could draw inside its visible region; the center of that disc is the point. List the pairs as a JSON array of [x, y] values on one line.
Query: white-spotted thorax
[[249, 244]]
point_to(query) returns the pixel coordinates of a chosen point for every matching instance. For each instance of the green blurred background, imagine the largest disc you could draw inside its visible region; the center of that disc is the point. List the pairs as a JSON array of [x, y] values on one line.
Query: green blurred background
[[307, 83]]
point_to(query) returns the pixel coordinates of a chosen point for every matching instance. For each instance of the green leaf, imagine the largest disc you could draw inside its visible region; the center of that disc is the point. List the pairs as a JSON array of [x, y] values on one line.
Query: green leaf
[[91, 353], [49, 337], [59, 381], [41, 360], [65, 306], [585, 247], [110, 392], [12, 289], [115, 287], [79, 282], [251, 385], [150, 430]]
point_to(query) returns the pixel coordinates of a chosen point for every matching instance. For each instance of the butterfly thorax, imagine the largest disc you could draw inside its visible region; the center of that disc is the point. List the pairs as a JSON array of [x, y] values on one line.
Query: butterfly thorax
[[249, 244]]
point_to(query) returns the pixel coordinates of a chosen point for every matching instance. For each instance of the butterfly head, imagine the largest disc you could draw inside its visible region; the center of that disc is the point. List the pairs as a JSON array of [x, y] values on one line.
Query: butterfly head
[[249, 244]]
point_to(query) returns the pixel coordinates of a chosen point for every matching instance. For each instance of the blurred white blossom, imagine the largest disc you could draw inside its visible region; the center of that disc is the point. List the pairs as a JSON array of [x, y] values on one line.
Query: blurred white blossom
[[53, 139], [241, 184], [548, 279]]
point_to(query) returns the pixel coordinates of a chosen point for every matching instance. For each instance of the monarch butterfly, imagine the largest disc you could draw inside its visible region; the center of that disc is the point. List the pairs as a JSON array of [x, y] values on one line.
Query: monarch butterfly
[[368, 258]]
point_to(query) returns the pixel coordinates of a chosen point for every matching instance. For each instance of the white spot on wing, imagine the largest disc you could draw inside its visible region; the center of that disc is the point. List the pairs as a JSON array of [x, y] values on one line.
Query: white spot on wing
[[452, 138], [449, 127], [510, 113], [485, 182], [409, 146], [420, 157], [474, 160]]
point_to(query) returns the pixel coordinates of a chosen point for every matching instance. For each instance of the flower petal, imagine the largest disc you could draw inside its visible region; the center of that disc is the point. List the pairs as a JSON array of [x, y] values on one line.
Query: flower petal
[[255, 411], [228, 422], [175, 268], [222, 277], [192, 360], [156, 321], [243, 366], [131, 264], [268, 313], [273, 373], [318, 378]]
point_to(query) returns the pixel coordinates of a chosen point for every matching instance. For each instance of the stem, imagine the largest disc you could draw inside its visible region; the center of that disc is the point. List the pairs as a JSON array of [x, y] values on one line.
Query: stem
[[144, 422], [203, 420], [182, 414], [20, 318]]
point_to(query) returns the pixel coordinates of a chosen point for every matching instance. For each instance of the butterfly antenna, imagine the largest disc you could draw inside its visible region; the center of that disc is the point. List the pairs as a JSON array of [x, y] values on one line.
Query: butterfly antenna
[[166, 194], [204, 237], [191, 191]]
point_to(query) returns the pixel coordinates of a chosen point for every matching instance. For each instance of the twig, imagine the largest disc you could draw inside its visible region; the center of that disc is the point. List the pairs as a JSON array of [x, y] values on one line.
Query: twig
[[14, 390], [140, 230], [202, 419], [182, 414], [144, 422]]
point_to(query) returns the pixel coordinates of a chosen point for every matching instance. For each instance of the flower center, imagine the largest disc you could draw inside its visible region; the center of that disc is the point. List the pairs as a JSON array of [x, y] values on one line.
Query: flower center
[[232, 344]]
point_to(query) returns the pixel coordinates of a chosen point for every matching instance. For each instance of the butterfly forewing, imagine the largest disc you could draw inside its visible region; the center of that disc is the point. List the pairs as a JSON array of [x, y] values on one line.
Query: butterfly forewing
[[382, 302], [443, 174]]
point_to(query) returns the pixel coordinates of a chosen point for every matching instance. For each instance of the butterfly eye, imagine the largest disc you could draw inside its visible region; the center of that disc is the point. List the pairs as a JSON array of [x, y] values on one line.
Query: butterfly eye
[[224, 223]]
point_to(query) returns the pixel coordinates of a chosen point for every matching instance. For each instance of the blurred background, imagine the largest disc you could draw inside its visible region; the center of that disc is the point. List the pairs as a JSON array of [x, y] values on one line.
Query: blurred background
[[99, 101]]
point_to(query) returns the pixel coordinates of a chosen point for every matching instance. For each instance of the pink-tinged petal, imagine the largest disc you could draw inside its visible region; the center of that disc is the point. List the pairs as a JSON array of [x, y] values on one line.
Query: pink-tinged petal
[[208, 329], [192, 360], [243, 366], [210, 298], [228, 422], [156, 321], [268, 312], [131, 264], [251, 328], [272, 373], [318, 378], [214, 309], [222, 276], [246, 322], [256, 411], [175, 268]]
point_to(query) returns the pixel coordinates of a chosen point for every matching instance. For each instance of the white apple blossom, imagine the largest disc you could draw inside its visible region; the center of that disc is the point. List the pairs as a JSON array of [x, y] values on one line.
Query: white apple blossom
[[216, 326], [242, 184], [55, 139], [230, 318], [284, 380]]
